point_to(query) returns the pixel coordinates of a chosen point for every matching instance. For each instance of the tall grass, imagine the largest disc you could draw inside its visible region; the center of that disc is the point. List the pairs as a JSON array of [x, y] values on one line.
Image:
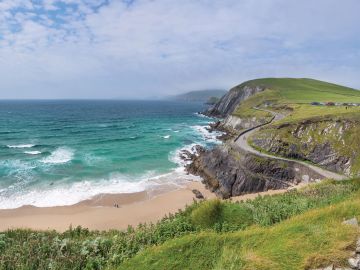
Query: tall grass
[[207, 214]]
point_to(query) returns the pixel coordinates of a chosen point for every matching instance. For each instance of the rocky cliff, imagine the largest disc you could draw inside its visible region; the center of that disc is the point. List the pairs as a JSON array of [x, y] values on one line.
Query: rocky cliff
[[232, 99], [330, 143], [228, 104], [229, 172], [235, 124]]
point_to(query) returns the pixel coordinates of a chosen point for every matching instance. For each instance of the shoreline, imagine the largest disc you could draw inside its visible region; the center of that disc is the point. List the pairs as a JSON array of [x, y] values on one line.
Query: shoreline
[[106, 211], [99, 212]]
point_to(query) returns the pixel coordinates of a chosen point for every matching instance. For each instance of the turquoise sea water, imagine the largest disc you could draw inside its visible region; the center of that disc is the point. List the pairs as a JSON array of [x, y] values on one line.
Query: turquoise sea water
[[61, 152]]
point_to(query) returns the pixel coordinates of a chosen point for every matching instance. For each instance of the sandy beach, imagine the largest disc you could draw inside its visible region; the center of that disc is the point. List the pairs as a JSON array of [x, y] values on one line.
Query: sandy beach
[[99, 213]]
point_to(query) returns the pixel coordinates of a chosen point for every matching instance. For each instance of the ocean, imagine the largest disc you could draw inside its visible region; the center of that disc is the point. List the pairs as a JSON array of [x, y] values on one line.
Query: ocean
[[62, 152]]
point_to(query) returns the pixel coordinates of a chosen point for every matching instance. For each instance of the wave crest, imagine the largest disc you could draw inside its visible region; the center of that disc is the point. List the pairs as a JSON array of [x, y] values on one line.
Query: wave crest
[[32, 152], [21, 146], [59, 156]]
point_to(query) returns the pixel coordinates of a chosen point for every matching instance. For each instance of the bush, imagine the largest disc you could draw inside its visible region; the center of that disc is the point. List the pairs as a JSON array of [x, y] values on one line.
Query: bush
[[207, 214]]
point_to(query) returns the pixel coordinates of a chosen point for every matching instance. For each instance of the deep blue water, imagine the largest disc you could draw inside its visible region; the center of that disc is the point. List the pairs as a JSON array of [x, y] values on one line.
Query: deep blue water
[[60, 152]]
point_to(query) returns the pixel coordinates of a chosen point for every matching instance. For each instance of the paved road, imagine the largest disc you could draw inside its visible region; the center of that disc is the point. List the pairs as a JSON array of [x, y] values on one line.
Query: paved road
[[242, 142]]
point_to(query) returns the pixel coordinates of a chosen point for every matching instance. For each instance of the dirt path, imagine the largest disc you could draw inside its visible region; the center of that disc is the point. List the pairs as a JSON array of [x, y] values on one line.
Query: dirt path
[[242, 142]]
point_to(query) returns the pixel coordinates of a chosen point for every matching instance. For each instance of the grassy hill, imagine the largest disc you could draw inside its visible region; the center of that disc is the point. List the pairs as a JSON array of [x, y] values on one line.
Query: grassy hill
[[307, 90], [296, 94], [256, 234]]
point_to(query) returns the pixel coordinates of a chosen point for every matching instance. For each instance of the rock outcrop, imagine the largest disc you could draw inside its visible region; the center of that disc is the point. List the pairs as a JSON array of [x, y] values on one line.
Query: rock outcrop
[[232, 99], [228, 104], [328, 143], [236, 124], [229, 172]]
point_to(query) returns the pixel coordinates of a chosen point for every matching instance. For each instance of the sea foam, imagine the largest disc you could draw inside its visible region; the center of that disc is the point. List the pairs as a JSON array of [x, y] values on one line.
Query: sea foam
[[80, 191], [206, 134], [175, 156], [21, 146], [32, 152], [60, 155]]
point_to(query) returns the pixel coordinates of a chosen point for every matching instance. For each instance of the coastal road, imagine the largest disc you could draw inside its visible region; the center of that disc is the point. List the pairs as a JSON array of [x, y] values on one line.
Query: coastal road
[[242, 142]]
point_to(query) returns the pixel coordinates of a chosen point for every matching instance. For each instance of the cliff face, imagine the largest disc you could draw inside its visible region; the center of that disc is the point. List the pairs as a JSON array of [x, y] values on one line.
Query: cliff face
[[237, 124], [232, 99], [331, 144], [229, 172], [227, 105]]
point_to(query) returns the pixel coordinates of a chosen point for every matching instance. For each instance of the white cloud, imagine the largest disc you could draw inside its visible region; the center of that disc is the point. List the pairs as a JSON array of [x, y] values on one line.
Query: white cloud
[[74, 48]]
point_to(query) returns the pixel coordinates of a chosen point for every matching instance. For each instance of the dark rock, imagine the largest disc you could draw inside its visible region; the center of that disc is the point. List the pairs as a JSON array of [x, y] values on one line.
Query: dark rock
[[323, 150], [186, 155], [228, 173], [324, 154], [198, 194], [227, 133]]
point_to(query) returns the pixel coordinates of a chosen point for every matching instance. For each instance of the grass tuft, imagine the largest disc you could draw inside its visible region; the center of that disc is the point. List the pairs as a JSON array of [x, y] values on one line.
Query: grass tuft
[[207, 214]]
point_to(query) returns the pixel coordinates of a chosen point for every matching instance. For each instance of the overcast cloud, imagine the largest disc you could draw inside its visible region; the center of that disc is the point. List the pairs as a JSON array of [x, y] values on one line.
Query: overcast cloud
[[150, 48]]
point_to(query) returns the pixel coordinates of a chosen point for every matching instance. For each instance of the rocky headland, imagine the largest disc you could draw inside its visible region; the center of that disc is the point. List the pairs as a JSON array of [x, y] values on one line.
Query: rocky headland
[[229, 170]]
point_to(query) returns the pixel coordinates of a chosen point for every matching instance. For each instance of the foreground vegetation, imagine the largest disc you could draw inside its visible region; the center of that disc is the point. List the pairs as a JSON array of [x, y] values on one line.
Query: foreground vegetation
[[313, 239], [206, 235]]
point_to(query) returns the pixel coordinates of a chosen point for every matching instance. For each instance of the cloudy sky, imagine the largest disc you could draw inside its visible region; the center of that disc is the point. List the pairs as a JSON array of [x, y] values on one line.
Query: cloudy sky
[[150, 48]]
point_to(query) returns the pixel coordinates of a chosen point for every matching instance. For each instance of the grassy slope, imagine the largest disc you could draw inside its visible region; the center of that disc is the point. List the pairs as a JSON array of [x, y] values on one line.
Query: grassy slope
[[315, 239]]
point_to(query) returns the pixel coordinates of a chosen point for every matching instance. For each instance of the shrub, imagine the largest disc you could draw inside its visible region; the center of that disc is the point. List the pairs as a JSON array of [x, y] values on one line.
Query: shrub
[[2, 245], [207, 214]]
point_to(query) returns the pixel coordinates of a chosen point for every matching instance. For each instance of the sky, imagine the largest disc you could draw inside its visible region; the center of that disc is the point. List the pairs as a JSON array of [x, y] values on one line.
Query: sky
[[152, 48]]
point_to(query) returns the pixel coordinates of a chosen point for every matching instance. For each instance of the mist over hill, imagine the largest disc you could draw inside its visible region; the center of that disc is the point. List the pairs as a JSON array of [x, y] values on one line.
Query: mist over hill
[[199, 95]]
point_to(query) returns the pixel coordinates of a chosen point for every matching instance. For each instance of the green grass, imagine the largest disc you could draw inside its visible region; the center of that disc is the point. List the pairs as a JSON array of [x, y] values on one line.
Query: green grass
[[207, 214], [291, 92], [314, 239], [83, 249], [306, 111]]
